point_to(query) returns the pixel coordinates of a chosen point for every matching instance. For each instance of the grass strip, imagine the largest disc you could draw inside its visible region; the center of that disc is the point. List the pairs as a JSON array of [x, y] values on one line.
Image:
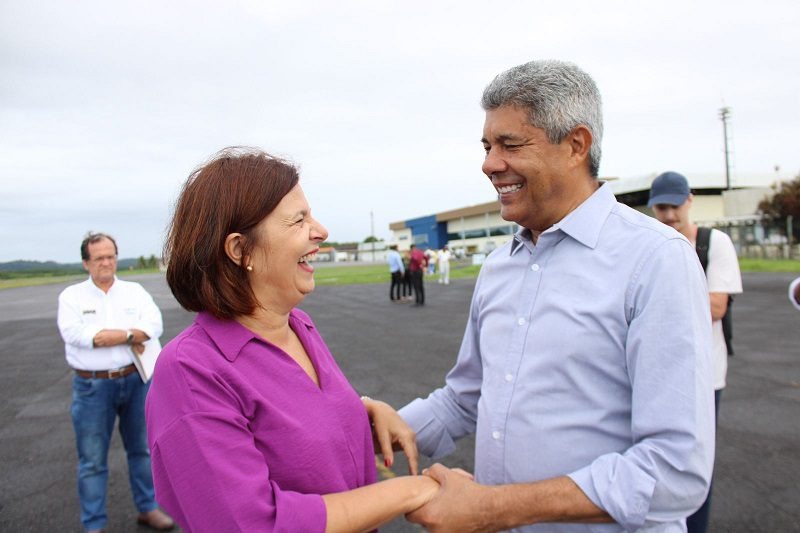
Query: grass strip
[[326, 274], [769, 265]]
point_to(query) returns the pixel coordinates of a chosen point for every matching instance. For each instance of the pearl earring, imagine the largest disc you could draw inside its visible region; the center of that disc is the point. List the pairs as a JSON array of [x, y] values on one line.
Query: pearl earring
[[249, 268]]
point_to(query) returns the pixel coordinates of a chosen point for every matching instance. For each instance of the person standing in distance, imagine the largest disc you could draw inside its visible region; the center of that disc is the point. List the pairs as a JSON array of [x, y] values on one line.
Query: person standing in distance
[[671, 201], [397, 271], [417, 264], [585, 369], [103, 320], [444, 265]]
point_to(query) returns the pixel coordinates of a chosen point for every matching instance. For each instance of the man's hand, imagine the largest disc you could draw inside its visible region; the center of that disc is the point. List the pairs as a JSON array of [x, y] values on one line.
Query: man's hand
[[138, 348], [390, 432], [463, 505], [460, 506], [110, 337]]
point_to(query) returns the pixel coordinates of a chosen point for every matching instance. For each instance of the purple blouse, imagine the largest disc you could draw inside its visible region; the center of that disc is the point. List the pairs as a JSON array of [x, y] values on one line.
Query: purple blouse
[[243, 440]]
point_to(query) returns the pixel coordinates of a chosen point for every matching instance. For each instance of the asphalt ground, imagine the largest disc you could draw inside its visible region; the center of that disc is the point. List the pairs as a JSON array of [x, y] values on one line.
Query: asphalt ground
[[396, 353]]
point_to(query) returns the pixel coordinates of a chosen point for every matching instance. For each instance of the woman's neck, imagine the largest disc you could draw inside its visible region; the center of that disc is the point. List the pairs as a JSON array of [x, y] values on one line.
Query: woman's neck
[[270, 325]]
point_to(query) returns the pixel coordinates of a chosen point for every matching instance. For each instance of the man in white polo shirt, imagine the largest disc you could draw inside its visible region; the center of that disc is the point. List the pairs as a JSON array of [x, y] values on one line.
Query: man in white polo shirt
[[103, 320], [671, 201]]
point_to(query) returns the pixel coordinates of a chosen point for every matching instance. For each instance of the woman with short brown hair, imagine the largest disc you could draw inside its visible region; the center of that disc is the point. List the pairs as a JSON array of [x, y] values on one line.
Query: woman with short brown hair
[[252, 425]]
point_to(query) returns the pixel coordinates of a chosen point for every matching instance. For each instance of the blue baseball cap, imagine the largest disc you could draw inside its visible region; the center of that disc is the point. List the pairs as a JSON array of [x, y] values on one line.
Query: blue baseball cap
[[669, 188]]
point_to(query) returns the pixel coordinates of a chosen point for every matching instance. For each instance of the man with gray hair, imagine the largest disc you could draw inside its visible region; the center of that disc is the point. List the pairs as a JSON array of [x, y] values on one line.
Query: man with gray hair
[[585, 369]]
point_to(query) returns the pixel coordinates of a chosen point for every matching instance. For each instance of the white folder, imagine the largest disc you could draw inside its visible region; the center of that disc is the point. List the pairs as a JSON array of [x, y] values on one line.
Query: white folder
[[146, 363]]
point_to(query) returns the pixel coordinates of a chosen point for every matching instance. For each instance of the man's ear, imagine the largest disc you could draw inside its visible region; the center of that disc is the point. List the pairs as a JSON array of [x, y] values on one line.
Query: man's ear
[[234, 246], [86, 266], [580, 141]]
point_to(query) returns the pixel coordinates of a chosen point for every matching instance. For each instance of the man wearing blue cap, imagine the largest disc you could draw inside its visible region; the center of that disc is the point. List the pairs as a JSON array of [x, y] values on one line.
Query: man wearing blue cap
[[671, 201]]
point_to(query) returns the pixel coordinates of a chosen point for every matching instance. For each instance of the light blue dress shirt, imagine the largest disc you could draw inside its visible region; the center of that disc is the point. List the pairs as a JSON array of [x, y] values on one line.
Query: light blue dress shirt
[[587, 354], [395, 261]]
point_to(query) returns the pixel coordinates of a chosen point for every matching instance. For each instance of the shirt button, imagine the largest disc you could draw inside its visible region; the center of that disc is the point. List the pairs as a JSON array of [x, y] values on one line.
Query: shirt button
[[495, 435], [521, 321], [509, 378], [535, 267]]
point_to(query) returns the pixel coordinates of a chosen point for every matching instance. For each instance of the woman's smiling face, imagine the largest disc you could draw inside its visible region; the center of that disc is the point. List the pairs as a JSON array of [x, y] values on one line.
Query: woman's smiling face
[[286, 241]]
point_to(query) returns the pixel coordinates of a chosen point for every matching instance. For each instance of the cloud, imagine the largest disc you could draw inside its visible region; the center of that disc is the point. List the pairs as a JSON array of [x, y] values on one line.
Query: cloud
[[105, 108]]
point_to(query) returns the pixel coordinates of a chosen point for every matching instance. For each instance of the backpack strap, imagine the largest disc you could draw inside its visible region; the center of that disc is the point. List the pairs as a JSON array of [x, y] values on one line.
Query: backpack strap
[[702, 244], [727, 326]]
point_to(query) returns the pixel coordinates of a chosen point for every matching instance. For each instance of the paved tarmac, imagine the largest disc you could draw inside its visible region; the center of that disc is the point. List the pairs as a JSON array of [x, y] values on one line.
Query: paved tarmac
[[395, 353]]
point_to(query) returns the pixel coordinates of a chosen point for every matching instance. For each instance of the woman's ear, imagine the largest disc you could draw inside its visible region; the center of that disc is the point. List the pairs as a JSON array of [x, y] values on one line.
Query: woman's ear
[[234, 246]]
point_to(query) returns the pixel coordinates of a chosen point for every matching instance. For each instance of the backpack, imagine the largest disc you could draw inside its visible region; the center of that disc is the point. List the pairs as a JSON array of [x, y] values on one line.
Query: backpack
[[701, 246]]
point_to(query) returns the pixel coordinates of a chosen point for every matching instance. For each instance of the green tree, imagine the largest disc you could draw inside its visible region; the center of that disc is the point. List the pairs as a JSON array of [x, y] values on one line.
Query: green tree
[[141, 264], [152, 262], [372, 238], [784, 202]]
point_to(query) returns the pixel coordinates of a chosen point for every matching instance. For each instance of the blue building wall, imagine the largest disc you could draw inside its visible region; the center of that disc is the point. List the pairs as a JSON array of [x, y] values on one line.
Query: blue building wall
[[427, 233], [441, 234]]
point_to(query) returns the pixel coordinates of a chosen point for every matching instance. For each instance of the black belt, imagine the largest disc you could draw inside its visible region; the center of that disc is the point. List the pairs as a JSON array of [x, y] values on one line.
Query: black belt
[[114, 373]]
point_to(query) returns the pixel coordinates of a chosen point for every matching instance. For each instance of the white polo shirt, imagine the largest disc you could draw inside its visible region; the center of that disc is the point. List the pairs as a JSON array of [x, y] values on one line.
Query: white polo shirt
[[723, 275], [84, 309]]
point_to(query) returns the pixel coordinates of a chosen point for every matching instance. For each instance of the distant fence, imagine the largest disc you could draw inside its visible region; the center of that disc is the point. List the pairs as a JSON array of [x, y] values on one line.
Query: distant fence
[[762, 240]]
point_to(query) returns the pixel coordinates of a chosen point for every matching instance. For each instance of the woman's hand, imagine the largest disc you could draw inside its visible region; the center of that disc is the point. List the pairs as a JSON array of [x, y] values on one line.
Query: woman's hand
[[390, 432]]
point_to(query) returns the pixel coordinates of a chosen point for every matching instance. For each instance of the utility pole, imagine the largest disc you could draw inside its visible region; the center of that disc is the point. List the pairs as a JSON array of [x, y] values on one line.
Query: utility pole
[[724, 113], [372, 233]]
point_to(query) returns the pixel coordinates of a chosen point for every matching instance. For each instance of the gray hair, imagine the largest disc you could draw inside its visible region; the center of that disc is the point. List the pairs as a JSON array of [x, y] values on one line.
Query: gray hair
[[558, 96]]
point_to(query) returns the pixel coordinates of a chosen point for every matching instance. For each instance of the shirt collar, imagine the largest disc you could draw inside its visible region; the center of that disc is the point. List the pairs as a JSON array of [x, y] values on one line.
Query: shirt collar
[[90, 282], [522, 239], [583, 224], [231, 337]]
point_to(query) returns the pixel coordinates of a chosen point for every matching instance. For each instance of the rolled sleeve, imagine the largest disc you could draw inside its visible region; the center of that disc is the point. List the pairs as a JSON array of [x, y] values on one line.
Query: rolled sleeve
[[621, 489], [436, 435], [150, 320], [665, 475]]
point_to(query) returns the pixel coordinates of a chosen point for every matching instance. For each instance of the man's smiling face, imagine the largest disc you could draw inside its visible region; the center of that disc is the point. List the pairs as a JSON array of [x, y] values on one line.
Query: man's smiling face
[[530, 174]]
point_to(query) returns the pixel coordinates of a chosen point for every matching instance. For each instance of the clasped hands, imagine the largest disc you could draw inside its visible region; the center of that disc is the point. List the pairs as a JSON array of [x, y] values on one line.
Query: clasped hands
[[459, 503]]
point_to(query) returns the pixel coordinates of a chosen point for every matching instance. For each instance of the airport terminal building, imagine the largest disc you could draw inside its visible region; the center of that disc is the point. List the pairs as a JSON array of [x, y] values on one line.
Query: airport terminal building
[[479, 228]]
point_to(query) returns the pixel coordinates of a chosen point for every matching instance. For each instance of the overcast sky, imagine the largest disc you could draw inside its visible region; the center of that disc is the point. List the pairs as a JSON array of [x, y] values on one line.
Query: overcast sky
[[106, 107]]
